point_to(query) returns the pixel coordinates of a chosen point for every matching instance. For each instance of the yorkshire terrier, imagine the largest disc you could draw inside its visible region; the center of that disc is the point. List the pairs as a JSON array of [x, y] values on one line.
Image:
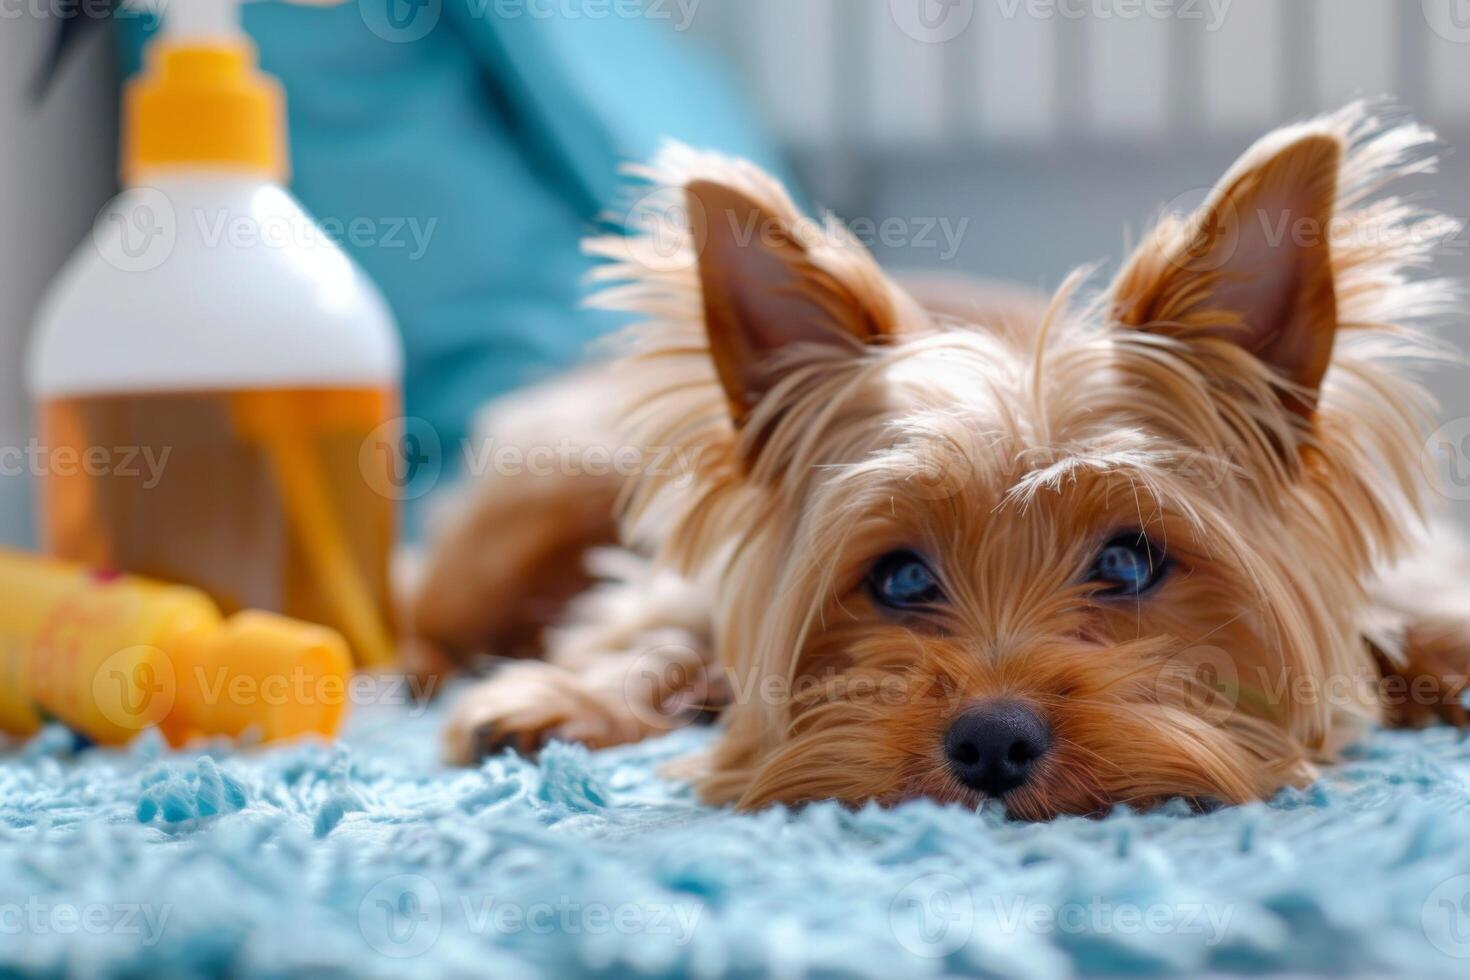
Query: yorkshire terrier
[[923, 539]]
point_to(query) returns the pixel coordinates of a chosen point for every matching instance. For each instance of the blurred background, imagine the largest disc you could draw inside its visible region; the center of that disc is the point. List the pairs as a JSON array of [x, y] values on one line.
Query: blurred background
[[1011, 138]]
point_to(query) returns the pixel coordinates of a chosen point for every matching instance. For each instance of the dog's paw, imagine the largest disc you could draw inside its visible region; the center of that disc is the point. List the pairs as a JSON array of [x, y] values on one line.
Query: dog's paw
[[523, 707]]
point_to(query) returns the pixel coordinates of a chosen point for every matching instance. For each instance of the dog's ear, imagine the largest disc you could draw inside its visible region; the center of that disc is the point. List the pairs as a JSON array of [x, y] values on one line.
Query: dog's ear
[[1253, 265], [772, 292]]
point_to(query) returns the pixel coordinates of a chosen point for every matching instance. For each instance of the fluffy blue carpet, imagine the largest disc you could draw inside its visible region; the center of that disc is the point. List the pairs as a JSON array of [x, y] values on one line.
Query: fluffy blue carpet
[[368, 859]]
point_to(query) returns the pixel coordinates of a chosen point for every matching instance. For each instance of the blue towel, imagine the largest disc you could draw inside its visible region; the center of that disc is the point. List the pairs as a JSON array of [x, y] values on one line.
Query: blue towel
[[367, 859]]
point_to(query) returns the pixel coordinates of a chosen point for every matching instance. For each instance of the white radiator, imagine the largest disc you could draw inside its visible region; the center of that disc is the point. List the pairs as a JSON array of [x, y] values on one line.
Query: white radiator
[[935, 73]]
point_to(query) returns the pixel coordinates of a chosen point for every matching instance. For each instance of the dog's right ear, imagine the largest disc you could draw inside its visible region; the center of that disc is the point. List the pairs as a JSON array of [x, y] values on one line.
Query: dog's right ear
[[777, 291]]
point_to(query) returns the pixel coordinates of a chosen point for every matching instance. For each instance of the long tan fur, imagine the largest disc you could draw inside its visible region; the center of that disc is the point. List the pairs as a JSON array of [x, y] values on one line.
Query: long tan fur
[[1006, 448]]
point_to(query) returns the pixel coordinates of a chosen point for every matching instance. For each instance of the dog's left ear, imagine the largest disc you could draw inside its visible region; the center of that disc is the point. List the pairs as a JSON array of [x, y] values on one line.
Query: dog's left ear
[[1252, 266], [775, 286]]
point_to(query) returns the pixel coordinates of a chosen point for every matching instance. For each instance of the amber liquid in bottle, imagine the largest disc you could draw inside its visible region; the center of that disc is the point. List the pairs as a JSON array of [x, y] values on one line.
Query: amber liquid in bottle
[[271, 499]]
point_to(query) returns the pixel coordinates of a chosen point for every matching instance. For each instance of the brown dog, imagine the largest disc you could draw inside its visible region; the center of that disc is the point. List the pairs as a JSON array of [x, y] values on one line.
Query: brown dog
[[920, 544]]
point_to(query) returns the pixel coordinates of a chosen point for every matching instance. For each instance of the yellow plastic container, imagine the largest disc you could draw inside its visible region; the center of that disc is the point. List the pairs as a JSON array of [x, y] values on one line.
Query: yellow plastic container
[[113, 655]]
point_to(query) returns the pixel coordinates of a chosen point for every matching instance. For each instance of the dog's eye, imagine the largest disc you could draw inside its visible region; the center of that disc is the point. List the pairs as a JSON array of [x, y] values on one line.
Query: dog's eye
[[1127, 565], [901, 580]]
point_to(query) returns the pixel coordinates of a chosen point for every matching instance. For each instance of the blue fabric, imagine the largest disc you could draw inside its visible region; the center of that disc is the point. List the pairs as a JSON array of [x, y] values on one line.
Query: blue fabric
[[369, 859], [495, 132]]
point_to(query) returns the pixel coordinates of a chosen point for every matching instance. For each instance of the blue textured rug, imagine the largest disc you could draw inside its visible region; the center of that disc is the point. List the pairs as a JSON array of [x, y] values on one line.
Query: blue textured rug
[[368, 859]]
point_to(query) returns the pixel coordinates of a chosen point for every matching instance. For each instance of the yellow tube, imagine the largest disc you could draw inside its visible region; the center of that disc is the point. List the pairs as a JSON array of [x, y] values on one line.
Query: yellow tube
[[112, 655]]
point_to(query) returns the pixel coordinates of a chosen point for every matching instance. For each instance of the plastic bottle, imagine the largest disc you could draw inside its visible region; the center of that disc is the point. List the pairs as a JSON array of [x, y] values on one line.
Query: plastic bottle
[[112, 655], [216, 382]]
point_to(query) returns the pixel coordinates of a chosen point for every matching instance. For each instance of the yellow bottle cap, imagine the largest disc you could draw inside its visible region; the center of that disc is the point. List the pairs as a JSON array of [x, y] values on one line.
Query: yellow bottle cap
[[278, 677], [203, 103]]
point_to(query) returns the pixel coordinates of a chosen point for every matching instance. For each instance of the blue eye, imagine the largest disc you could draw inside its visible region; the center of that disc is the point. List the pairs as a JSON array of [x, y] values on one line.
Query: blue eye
[[1127, 565], [901, 580]]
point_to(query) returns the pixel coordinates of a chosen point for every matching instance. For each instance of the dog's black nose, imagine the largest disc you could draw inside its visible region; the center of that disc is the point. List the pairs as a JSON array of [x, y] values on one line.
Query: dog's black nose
[[994, 748]]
